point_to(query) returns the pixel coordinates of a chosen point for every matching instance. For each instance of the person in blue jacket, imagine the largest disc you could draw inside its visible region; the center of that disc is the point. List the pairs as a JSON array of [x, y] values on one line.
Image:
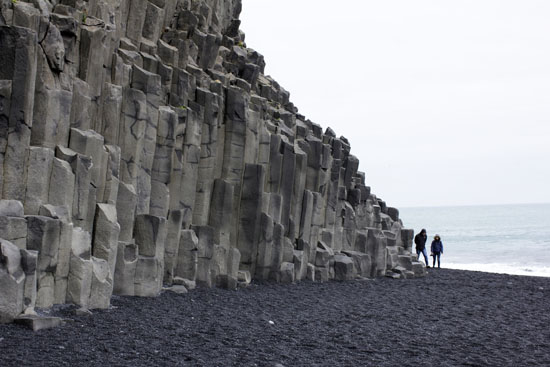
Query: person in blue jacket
[[437, 250]]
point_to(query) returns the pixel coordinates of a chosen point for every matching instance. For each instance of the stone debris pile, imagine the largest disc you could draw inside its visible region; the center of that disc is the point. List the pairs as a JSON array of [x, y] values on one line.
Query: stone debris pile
[[142, 147]]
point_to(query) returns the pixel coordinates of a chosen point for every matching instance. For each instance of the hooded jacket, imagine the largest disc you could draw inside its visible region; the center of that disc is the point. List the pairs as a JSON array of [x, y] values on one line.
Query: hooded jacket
[[420, 241]]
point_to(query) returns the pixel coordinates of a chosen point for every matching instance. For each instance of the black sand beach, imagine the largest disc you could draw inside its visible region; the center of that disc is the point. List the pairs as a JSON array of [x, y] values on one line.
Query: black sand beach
[[450, 318]]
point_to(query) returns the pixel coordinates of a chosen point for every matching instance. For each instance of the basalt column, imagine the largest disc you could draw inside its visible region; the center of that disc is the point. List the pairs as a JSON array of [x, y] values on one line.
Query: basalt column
[[143, 148]]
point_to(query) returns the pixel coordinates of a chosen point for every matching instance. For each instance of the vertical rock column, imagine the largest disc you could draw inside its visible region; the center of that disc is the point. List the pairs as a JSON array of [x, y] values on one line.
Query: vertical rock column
[[150, 236], [150, 84], [12, 282], [18, 60], [220, 218], [298, 191], [81, 268], [176, 174], [250, 215], [93, 54], [5, 101], [205, 254], [287, 186], [235, 141], [104, 249], [82, 192], [162, 162], [13, 225], [44, 237], [187, 256], [190, 165], [39, 168], [264, 259], [131, 134], [208, 156], [52, 100], [172, 245]]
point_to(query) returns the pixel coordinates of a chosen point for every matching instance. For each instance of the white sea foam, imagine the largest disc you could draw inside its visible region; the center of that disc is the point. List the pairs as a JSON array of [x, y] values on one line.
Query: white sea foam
[[512, 269]]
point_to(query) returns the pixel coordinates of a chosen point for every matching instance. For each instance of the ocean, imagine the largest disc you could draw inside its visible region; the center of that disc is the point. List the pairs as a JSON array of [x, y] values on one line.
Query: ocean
[[509, 239]]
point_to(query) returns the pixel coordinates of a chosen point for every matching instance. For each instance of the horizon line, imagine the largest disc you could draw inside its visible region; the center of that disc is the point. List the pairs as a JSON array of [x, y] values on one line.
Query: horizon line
[[471, 205]]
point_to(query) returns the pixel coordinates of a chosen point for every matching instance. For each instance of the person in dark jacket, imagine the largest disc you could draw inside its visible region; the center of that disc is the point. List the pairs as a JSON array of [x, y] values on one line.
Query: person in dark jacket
[[420, 242], [437, 250]]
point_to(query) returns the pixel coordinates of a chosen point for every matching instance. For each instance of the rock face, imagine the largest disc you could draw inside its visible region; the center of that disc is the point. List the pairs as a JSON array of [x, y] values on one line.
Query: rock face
[[141, 145]]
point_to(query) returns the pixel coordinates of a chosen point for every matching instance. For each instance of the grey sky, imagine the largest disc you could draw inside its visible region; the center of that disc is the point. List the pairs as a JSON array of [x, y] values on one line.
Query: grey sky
[[444, 102]]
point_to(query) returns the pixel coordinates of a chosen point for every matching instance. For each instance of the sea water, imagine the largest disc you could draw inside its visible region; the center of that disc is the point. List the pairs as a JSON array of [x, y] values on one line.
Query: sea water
[[510, 239]]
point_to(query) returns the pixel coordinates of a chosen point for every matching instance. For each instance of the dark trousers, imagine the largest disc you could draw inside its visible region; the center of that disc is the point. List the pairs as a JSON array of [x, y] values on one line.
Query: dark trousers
[[438, 255]]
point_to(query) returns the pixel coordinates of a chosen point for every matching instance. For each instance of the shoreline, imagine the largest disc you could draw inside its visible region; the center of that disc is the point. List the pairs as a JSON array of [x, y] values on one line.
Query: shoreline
[[504, 269], [450, 318]]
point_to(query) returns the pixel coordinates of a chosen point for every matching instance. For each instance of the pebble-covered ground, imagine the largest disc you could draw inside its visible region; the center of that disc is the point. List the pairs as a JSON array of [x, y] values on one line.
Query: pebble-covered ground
[[449, 318]]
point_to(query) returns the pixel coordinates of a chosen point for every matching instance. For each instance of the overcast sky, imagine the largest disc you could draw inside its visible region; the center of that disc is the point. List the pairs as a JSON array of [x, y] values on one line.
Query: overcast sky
[[444, 102]]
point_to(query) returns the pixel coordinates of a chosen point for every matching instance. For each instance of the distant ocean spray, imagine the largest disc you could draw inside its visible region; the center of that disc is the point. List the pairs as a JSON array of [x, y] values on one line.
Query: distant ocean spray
[[510, 239]]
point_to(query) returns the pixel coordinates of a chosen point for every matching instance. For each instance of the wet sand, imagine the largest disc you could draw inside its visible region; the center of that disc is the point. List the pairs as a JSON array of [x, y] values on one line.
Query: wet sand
[[449, 318]]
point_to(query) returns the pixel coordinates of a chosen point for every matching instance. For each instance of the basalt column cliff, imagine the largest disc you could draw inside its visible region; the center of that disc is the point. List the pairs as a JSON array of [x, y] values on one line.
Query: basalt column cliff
[[142, 148]]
